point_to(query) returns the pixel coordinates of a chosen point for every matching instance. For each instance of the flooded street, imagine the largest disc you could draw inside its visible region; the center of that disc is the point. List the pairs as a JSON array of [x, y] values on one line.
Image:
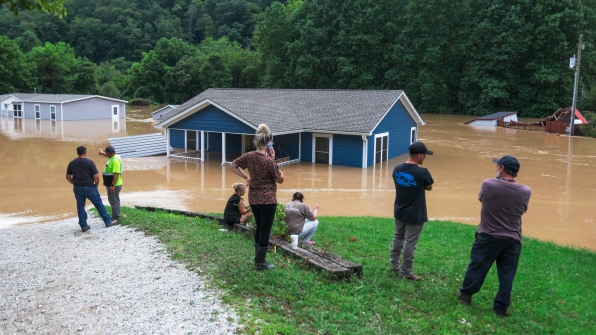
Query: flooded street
[[558, 169]]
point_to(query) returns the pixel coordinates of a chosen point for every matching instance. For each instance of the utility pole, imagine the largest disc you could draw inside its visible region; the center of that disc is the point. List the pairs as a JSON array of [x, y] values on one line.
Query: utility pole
[[575, 62]]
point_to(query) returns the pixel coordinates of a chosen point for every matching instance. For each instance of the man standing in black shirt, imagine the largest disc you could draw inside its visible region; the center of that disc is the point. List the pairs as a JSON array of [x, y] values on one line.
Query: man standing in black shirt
[[83, 174], [411, 183]]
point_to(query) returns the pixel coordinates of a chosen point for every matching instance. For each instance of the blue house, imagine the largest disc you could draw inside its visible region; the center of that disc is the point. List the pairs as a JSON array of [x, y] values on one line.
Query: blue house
[[356, 128], [62, 107]]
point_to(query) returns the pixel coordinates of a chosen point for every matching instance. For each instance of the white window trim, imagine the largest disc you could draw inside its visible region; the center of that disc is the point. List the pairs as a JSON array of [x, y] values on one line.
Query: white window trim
[[414, 131], [53, 114], [37, 111]]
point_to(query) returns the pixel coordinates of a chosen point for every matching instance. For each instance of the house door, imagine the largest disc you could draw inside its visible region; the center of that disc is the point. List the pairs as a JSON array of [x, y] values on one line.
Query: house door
[[323, 149], [381, 147], [115, 111], [191, 140]]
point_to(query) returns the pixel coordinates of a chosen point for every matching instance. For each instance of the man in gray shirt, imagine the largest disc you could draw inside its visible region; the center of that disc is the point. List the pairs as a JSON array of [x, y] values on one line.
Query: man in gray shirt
[[498, 237]]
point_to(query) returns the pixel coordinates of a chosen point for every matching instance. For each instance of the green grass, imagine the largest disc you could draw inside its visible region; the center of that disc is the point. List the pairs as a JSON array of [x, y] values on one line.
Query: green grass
[[553, 292]]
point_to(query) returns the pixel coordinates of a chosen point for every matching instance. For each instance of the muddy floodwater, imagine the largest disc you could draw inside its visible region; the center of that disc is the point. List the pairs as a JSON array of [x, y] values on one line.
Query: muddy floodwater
[[559, 170]]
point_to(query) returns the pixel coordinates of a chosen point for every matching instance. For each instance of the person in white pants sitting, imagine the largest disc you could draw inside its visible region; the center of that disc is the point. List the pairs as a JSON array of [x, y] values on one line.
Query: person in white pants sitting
[[300, 219]]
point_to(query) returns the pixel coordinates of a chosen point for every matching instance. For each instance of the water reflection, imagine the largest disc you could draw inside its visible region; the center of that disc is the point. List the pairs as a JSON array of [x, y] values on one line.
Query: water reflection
[[557, 168], [15, 128]]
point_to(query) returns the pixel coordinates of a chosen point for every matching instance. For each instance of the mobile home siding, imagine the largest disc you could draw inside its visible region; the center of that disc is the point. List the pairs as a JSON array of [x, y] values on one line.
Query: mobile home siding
[[91, 109], [85, 109], [213, 119]]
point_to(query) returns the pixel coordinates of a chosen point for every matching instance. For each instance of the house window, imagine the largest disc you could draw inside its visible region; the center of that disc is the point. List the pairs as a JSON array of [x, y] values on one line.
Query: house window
[[381, 147], [115, 111], [17, 110], [52, 112], [322, 149], [413, 135], [191, 140], [37, 112]]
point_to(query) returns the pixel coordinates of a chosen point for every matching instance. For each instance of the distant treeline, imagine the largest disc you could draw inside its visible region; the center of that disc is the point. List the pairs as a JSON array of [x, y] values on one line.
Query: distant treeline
[[467, 57]]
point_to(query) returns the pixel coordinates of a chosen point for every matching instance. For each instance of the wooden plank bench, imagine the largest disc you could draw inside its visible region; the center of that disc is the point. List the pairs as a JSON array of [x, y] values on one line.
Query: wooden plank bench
[[318, 258], [337, 267]]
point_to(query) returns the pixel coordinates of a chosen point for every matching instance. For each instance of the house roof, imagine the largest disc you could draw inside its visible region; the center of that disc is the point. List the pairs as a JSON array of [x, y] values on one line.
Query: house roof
[[57, 98], [566, 117], [285, 110], [491, 117]]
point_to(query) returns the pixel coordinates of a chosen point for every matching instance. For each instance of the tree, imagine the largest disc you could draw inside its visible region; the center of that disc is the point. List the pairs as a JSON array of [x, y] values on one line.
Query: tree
[[214, 72], [272, 38], [14, 69], [55, 7], [54, 66], [27, 41], [83, 79]]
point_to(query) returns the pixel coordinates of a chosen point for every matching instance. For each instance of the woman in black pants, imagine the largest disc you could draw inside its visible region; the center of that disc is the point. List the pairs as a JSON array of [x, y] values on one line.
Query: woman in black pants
[[264, 174]]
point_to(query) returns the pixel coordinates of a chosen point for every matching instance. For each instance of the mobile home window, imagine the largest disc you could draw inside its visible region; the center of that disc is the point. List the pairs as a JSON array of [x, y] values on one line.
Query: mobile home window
[[18, 110]]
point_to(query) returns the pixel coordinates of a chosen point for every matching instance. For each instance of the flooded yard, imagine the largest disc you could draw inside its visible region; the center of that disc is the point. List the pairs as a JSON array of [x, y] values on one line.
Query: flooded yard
[[558, 169]]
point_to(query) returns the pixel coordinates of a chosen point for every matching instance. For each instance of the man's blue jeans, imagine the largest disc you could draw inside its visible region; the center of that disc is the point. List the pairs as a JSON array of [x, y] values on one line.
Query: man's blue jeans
[[485, 251], [82, 193]]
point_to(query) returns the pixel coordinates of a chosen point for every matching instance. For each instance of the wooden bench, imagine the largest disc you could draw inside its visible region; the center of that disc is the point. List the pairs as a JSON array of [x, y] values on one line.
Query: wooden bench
[[318, 258]]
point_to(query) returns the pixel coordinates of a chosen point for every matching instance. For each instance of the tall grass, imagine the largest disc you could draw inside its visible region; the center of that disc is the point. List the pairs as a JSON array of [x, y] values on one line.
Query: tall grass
[[553, 291]]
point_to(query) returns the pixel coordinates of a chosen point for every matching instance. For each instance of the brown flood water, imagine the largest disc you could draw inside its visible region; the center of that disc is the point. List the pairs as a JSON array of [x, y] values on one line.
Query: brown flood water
[[559, 169]]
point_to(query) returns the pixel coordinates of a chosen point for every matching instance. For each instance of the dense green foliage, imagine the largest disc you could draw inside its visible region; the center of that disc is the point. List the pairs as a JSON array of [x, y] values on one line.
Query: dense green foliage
[[472, 57], [552, 293], [55, 7]]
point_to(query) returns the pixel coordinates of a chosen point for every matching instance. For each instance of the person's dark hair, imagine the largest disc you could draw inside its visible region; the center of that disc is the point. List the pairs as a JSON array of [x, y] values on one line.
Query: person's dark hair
[[81, 150], [110, 150], [298, 196], [510, 172]]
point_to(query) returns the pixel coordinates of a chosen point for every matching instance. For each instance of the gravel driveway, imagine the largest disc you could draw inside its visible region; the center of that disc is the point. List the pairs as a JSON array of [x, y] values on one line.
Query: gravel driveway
[[54, 279]]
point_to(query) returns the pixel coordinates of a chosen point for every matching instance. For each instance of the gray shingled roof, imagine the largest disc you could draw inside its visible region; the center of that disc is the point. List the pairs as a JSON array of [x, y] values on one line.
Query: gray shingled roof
[[495, 116], [55, 98], [349, 111]]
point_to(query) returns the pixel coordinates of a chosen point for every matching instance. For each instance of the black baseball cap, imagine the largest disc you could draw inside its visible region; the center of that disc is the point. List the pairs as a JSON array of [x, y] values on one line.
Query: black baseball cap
[[419, 148], [509, 162]]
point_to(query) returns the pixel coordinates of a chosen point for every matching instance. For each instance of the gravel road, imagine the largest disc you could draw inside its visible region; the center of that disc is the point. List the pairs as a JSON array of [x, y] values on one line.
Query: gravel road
[[54, 279]]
